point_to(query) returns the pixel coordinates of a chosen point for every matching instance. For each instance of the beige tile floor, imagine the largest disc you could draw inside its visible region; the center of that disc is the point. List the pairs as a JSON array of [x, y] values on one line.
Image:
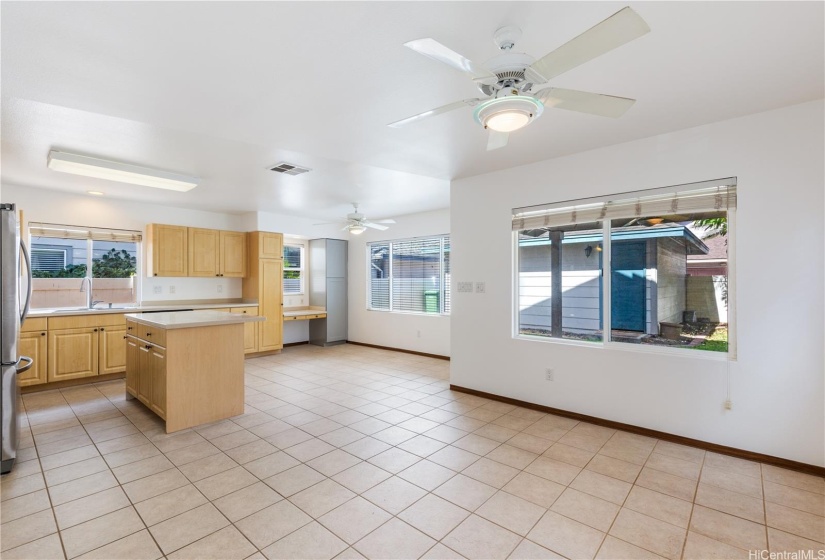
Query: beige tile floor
[[353, 452]]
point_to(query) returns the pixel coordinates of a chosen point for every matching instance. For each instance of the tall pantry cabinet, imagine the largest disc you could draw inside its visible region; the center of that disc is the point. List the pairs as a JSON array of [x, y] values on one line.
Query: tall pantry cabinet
[[264, 282], [328, 290]]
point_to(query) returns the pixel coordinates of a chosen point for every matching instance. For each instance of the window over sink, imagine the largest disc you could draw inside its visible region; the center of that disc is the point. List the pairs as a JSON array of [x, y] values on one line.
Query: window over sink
[[68, 261]]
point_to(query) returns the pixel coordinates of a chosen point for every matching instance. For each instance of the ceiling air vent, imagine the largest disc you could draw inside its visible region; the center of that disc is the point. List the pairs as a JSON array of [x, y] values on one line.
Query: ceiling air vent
[[289, 169]]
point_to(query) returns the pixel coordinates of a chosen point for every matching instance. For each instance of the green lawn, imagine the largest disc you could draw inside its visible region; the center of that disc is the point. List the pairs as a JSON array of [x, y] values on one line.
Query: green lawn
[[717, 341]]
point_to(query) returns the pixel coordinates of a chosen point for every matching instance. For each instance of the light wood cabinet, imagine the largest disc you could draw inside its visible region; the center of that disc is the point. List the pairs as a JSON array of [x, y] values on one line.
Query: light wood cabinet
[[204, 252], [34, 345], [269, 245], [144, 374], [250, 330], [73, 353], [132, 361], [264, 282], [232, 254], [112, 357], [157, 372], [167, 250], [85, 346]]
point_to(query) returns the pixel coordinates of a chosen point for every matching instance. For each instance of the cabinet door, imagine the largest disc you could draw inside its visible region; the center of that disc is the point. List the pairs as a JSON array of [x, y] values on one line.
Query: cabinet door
[[112, 357], [250, 330], [132, 364], [169, 250], [33, 345], [270, 245], [144, 381], [73, 353], [233, 254], [157, 359], [270, 304], [204, 245]]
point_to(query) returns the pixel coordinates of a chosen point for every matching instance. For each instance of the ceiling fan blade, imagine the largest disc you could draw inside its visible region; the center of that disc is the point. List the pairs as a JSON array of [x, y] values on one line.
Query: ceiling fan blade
[[373, 225], [433, 112], [345, 228], [497, 140], [435, 50], [584, 102], [620, 28], [387, 221]]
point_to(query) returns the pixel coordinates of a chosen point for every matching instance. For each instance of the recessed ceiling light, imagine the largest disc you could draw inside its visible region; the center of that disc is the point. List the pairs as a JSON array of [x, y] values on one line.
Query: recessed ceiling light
[[120, 172], [96, 193]]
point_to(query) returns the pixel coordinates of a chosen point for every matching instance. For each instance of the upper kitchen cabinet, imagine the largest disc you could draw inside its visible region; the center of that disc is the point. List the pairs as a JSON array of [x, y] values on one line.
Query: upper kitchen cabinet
[[181, 251], [267, 245], [167, 250], [204, 248], [233, 254]]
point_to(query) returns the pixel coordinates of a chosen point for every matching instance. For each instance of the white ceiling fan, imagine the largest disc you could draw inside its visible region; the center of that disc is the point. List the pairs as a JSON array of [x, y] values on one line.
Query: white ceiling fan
[[356, 223], [510, 79]]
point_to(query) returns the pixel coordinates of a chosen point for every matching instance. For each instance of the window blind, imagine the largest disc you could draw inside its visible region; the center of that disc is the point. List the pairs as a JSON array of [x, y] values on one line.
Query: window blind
[[37, 229], [293, 283], [685, 199], [411, 275]]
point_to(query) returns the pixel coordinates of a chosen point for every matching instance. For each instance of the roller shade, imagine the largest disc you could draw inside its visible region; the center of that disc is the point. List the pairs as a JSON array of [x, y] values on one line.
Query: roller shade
[[685, 199], [58, 231]]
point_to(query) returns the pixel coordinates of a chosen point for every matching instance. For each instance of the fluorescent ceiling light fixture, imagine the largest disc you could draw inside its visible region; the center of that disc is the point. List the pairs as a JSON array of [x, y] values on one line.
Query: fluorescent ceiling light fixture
[[357, 230], [96, 193], [120, 172]]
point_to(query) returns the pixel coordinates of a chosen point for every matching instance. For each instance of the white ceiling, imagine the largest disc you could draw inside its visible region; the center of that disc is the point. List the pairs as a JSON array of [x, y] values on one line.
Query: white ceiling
[[221, 90]]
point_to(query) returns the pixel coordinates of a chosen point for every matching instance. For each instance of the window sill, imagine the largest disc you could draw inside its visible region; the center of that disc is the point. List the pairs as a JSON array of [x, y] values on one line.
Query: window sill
[[417, 313], [636, 348]]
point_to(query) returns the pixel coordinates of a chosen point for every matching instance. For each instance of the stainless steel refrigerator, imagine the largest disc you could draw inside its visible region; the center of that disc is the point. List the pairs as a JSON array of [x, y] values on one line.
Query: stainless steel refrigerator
[[11, 285]]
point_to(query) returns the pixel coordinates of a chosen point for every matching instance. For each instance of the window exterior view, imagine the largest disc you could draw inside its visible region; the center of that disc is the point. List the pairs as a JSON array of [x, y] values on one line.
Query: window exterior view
[[668, 279], [68, 260], [293, 270], [410, 276]]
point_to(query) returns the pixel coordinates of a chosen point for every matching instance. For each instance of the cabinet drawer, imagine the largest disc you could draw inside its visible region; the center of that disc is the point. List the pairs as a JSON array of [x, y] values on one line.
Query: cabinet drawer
[[33, 324], [152, 334], [85, 321]]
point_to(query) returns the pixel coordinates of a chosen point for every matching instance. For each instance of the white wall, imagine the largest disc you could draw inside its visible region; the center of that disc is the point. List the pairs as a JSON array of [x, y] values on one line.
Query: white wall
[[777, 381], [41, 205], [395, 330]]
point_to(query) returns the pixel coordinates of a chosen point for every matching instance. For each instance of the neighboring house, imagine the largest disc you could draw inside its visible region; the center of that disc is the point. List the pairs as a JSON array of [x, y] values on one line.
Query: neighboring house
[[708, 281], [649, 281]]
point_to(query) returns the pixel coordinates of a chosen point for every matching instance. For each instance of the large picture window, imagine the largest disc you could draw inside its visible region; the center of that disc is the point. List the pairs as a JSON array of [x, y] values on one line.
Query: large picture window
[[64, 257], [647, 268], [409, 276]]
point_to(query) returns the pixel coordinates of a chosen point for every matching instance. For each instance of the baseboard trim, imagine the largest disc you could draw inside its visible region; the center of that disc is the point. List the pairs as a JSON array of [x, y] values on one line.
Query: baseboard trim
[[288, 344], [72, 382], [707, 446], [436, 356]]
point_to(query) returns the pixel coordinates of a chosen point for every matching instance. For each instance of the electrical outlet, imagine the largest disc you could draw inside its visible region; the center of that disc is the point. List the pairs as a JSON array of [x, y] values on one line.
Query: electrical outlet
[[480, 287], [465, 287], [418, 333], [728, 405], [157, 289], [549, 374], [220, 288], [171, 289]]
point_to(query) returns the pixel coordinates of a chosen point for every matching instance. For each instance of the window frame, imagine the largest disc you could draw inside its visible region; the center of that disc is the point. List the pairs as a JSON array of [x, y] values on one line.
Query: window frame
[[445, 288], [90, 241], [301, 271], [607, 342]]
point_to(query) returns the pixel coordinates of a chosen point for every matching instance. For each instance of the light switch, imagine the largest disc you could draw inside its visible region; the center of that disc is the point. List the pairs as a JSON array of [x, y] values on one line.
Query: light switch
[[480, 287]]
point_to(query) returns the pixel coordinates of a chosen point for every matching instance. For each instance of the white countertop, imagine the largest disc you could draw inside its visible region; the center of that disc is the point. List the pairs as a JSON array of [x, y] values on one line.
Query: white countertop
[[137, 309], [191, 319]]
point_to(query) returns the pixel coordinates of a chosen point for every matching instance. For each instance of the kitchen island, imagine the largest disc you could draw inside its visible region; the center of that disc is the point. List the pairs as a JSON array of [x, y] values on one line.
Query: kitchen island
[[187, 366]]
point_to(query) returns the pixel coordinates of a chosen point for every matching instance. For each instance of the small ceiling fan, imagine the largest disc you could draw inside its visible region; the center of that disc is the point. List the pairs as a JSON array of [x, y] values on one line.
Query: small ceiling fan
[[509, 80], [356, 223]]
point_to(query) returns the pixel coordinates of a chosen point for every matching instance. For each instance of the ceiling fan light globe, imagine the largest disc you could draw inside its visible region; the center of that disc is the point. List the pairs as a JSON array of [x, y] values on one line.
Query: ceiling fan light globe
[[507, 121], [357, 230], [507, 114]]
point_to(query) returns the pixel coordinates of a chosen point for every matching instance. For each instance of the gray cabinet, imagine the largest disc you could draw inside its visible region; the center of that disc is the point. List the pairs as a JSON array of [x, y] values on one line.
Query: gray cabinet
[[328, 289]]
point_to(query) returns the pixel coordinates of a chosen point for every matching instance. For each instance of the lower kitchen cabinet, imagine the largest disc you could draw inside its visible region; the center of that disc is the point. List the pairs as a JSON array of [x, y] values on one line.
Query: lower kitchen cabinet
[[112, 358], [132, 360], [146, 373], [33, 345], [157, 367], [73, 353], [250, 330]]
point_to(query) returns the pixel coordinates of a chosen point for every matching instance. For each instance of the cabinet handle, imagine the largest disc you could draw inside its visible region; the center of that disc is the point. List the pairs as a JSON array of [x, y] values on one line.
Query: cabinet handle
[[42, 334], [101, 329], [156, 273], [148, 334], [95, 330], [125, 337], [128, 328], [148, 346]]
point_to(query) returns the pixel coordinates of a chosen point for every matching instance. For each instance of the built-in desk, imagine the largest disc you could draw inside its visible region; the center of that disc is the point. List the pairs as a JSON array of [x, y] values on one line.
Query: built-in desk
[[304, 314]]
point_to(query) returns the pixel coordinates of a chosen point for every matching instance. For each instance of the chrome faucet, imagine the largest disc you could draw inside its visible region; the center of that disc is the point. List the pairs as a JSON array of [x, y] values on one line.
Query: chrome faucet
[[90, 303]]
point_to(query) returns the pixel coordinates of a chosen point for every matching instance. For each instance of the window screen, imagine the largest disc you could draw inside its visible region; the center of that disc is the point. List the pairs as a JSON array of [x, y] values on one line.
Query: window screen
[[293, 269]]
